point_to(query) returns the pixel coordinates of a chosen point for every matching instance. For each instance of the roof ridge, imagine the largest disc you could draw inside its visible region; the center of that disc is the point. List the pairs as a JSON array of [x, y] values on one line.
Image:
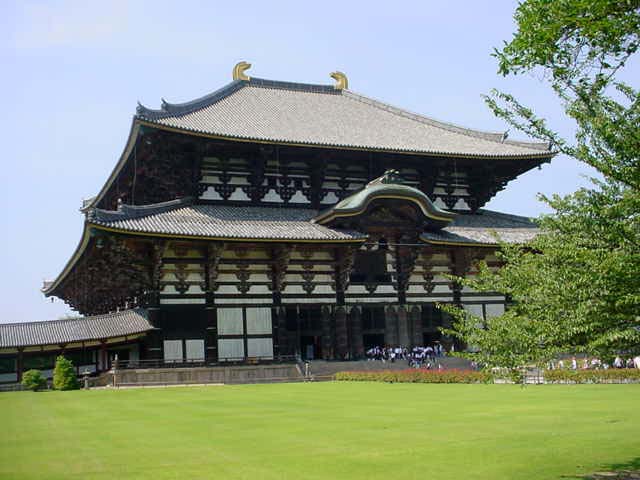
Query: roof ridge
[[140, 310], [498, 137], [296, 86], [168, 109], [506, 215], [136, 211]]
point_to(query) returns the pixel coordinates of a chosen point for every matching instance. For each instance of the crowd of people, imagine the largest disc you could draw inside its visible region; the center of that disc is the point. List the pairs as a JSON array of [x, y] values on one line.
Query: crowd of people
[[427, 357], [416, 357], [594, 363]]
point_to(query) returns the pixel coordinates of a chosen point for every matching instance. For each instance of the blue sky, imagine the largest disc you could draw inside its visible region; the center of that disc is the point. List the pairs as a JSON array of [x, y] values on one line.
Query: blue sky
[[74, 70]]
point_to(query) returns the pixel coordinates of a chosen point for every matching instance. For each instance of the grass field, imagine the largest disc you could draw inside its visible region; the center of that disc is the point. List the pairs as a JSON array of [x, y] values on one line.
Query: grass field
[[323, 430]]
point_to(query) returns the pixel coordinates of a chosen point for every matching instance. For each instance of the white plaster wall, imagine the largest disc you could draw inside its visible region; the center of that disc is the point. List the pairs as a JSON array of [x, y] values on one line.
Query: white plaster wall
[[352, 300], [227, 289], [182, 301], [310, 300], [494, 310], [299, 197], [272, 196], [330, 198], [210, 194], [238, 195], [317, 254], [241, 300]]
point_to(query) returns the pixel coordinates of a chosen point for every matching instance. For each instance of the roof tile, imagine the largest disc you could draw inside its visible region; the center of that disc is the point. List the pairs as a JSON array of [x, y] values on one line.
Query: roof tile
[[55, 332], [267, 110], [221, 221]]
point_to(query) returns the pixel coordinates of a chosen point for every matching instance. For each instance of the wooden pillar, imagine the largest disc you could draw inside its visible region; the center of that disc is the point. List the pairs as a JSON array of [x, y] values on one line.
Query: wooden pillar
[[20, 363], [462, 260], [211, 341], [390, 326], [415, 320], [327, 333], [280, 257], [297, 336], [213, 253], [153, 339], [342, 335], [357, 342], [282, 343], [103, 355], [404, 338]]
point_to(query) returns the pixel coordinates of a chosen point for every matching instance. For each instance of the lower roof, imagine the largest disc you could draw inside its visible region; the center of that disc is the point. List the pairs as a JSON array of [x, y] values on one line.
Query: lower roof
[[185, 220], [59, 332], [181, 218], [485, 227]]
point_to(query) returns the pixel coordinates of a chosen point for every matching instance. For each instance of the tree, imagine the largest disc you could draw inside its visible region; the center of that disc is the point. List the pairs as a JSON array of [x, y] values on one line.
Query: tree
[[575, 288], [64, 375], [33, 380]]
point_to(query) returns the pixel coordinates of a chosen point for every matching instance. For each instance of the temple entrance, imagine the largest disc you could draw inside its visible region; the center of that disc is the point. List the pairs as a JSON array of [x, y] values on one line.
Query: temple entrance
[[429, 338], [310, 347], [307, 321], [371, 340], [373, 326]]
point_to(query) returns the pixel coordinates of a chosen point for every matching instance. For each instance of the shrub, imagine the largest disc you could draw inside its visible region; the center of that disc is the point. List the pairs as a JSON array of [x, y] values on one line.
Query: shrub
[[64, 375], [33, 380], [412, 375], [611, 375]]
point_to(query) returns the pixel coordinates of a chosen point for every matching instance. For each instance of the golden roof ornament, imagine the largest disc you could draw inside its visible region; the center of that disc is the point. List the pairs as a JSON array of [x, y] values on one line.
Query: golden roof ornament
[[239, 69], [341, 80]]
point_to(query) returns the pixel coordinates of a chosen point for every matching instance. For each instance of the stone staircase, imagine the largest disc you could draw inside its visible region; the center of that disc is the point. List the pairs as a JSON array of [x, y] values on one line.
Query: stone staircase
[[322, 370]]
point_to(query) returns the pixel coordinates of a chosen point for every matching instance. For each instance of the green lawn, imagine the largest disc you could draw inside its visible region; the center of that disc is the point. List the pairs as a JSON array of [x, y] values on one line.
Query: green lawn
[[322, 430]]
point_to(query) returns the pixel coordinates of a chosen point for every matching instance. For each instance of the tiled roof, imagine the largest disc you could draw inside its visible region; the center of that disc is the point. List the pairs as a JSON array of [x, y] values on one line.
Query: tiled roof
[[221, 221], [283, 112], [479, 228], [180, 217], [55, 332]]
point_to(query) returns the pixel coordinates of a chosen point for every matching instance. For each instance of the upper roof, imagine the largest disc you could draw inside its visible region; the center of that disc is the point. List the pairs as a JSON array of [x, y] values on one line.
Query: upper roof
[[321, 115], [56, 332]]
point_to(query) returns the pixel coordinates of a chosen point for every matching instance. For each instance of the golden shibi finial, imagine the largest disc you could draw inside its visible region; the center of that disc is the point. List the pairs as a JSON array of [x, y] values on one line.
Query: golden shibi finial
[[341, 80], [239, 69]]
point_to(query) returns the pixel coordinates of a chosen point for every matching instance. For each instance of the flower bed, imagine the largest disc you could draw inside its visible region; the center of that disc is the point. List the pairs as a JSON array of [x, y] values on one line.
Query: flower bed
[[417, 376], [612, 375]]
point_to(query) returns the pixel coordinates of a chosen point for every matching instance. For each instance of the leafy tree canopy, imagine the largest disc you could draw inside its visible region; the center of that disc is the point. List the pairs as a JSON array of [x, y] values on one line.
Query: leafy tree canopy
[[576, 286]]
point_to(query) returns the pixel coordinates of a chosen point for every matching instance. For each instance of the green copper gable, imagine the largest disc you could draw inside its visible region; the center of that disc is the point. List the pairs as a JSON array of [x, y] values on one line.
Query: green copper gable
[[388, 186]]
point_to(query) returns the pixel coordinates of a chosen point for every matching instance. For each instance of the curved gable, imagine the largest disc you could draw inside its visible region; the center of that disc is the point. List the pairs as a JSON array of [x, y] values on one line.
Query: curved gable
[[387, 187]]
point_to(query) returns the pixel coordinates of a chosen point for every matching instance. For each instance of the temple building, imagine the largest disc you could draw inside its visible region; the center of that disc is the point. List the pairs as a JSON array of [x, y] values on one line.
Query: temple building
[[272, 220]]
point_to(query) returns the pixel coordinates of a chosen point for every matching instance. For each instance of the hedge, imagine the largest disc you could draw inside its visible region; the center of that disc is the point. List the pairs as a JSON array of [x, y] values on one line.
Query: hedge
[[412, 375], [611, 375]]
